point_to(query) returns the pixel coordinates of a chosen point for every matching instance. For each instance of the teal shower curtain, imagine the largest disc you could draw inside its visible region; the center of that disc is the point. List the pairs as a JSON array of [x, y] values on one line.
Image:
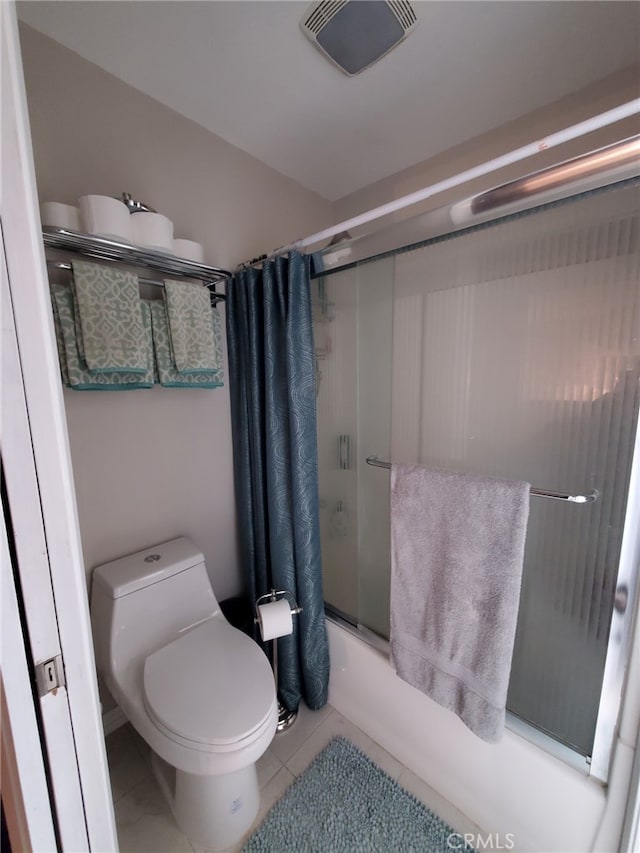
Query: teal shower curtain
[[273, 412]]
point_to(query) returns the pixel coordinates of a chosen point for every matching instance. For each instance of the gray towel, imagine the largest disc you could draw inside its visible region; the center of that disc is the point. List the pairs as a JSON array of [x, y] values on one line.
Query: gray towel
[[457, 546]]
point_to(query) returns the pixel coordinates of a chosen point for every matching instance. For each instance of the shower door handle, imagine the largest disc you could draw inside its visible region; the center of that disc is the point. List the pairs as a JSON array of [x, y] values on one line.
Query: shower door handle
[[344, 452], [621, 598]]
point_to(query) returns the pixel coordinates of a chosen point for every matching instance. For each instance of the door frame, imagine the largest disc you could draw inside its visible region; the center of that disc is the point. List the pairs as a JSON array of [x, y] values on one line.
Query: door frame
[[28, 811], [39, 484]]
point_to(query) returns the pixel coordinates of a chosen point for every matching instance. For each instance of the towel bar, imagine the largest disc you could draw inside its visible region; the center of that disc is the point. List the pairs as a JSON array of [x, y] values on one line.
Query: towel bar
[[105, 249], [61, 265], [538, 493]]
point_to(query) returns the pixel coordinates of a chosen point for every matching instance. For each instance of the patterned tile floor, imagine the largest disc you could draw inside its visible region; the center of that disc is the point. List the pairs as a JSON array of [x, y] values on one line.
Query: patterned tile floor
[[145, 823]]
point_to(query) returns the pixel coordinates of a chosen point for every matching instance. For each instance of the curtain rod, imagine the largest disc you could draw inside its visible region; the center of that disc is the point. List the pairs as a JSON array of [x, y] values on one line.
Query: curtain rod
[[553, 140]]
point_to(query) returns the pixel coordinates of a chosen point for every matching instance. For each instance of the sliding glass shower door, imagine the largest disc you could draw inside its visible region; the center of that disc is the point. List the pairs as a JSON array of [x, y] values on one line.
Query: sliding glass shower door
[[353, 340], [513, 351]]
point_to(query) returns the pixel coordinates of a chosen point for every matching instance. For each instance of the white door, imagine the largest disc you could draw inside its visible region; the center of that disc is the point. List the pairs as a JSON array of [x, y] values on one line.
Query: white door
[[41, 527]]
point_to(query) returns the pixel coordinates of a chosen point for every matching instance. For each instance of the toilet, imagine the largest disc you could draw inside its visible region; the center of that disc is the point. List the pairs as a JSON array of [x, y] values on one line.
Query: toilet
[[200, 692]]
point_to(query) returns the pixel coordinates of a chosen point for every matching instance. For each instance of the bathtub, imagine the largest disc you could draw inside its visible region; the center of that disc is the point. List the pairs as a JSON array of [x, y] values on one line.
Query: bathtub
[[512, 788]]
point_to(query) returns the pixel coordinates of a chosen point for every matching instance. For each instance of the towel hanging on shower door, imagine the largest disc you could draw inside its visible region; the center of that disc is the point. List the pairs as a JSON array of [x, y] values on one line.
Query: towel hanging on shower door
[[457, 547]]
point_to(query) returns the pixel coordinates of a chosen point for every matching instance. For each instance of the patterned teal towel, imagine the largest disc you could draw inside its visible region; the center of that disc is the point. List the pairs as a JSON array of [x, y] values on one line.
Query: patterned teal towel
[[109, 326], [76, 376], [57, 325], [167, 373], [195, 346]]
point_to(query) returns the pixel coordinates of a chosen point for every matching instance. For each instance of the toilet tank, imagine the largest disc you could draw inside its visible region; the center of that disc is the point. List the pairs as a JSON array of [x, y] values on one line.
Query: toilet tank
[[143, 601]]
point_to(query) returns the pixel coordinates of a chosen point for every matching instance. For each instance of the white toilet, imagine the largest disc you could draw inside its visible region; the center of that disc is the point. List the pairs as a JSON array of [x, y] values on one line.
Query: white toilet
[[199, 691]]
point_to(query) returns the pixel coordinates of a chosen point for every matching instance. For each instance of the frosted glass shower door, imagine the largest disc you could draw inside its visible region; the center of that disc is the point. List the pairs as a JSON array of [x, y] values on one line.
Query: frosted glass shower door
[[517, 355], [335, 307], [511, 351], [352, 329]]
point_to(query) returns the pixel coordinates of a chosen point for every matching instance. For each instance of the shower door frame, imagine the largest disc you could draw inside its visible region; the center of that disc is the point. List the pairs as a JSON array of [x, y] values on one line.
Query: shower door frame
[[621, 634]]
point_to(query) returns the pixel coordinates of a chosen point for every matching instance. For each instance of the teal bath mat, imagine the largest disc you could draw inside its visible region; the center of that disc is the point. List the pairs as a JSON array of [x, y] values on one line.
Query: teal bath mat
[[344, 803]]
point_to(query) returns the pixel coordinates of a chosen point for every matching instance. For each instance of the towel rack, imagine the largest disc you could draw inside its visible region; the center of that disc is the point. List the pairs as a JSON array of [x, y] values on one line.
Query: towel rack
[[114, 250], [61, 265], [538, 493]]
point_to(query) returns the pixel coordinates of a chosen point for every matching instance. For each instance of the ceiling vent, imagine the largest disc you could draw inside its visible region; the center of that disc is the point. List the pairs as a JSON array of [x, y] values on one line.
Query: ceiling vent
[[354, 34]]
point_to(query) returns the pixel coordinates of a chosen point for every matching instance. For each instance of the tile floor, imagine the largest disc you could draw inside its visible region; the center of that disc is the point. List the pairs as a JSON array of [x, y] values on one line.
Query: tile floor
[[145, 823]]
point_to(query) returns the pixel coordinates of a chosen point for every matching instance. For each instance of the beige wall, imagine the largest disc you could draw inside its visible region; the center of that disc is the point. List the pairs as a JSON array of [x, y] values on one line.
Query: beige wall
[[607, 94], [151, 465]]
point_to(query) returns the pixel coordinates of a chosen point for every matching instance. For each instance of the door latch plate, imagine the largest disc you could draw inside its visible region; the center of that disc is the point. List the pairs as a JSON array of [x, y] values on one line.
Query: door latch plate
[[49, 675]]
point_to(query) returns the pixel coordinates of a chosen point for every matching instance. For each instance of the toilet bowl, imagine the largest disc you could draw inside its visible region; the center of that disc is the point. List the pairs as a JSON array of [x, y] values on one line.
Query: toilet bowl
[[200, 692]]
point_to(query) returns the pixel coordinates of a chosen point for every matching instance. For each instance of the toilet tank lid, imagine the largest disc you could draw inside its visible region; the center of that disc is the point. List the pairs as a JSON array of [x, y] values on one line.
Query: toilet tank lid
[[153, 564]]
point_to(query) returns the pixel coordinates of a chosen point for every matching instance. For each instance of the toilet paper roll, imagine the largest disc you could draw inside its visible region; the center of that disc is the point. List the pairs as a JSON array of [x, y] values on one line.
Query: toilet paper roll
[[58, 215], [275, 619], [153, 231], [105, 217], [188, 249]]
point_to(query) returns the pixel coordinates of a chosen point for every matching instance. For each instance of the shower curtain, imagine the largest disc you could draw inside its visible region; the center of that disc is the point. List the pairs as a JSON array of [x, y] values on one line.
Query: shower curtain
[[273, 412]]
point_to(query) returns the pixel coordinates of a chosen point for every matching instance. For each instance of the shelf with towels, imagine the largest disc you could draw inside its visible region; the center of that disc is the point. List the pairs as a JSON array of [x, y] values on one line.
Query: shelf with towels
[[538, 493], [105, 249]]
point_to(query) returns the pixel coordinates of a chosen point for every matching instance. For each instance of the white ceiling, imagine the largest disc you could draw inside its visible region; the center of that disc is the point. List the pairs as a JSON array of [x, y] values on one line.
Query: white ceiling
[[244, 70]]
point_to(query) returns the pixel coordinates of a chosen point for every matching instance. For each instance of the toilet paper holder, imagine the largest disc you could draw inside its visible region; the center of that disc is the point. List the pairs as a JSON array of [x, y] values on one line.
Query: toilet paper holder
[[285, 717]]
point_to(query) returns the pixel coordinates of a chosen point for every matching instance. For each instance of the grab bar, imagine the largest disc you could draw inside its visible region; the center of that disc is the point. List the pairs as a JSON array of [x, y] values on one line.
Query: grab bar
[[538, 493]]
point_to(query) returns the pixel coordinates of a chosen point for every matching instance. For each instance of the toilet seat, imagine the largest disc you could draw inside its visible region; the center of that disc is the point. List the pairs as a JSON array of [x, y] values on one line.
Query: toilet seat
[[210, 689]]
